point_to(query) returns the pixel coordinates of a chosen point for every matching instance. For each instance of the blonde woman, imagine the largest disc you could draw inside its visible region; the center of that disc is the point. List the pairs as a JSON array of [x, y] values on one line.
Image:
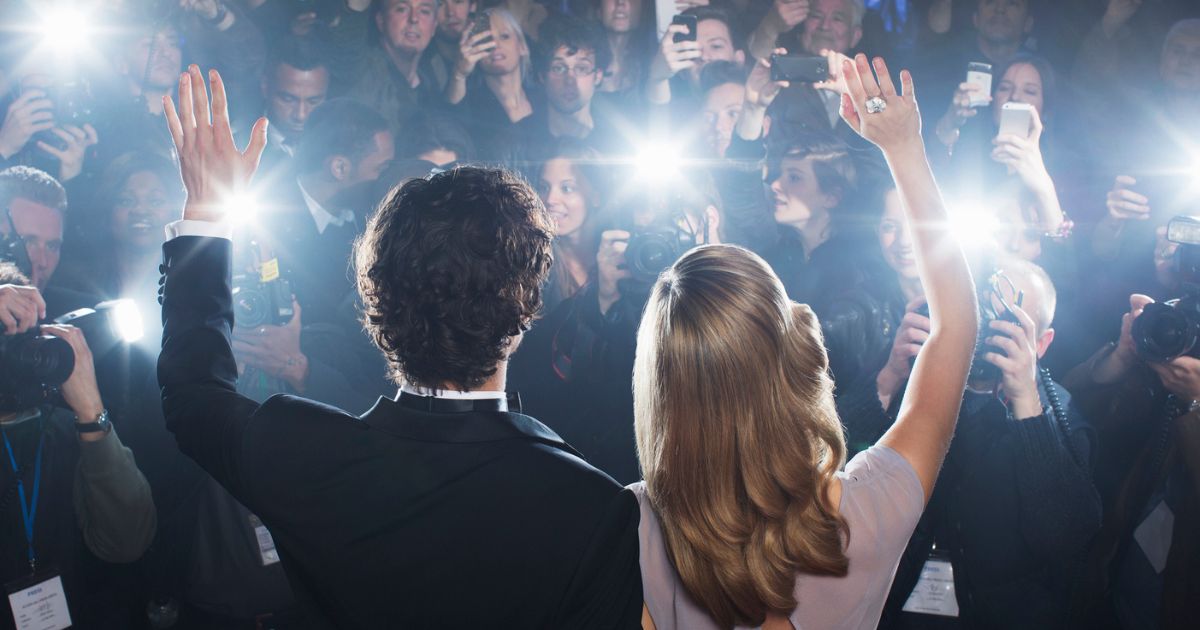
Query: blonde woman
[[747, 518]]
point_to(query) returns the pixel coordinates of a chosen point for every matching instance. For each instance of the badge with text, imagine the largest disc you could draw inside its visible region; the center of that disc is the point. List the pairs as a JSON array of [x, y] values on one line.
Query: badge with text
[[266, 544], [934, 593], [39, 602]]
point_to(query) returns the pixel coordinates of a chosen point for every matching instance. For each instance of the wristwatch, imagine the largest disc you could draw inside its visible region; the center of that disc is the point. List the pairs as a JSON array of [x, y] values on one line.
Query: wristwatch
[[100, 424]]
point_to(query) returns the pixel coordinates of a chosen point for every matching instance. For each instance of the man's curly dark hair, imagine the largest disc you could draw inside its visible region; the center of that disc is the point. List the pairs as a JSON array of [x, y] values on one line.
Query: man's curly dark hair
[[450, 269]]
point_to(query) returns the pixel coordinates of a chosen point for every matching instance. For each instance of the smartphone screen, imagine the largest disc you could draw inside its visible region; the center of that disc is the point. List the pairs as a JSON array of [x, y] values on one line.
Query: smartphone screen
[[980, 74]]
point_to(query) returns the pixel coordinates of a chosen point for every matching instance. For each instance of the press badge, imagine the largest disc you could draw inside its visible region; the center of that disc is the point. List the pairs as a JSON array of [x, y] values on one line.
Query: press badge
[[1154, 536], [39, 602], [934, 593], [266, 545]]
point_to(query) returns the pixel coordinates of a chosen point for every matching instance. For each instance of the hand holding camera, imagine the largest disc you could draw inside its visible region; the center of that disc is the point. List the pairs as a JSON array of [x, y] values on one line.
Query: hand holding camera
[[21, 308], [1017, 362], [75, 143], [30, 114], [274, 350], [1124, 204], [80, 390], [610, 265], [912, 334], [788, 13], [674, 55], [475, 45]]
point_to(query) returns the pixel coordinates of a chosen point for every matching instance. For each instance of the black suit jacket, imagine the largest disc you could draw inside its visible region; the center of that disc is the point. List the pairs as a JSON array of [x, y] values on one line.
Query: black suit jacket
[[398, 518]]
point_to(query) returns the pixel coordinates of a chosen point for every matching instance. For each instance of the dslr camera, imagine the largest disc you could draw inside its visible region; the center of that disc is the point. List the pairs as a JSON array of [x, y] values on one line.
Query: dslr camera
[[1169, 330], [654, 248], [32, 368], [258, 302], [993, 306]]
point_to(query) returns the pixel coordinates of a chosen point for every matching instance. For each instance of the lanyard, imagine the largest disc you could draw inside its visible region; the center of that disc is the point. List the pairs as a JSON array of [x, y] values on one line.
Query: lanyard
[[28, 510]]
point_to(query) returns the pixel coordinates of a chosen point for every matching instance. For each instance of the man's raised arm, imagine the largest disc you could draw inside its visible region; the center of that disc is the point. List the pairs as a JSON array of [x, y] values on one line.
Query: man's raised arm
[[196, 368]]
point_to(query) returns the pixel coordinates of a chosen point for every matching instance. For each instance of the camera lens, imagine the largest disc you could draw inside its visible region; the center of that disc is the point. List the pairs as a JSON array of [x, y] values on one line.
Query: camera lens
[[37, 359], [251, 307], [653, 255], [1163, 332]]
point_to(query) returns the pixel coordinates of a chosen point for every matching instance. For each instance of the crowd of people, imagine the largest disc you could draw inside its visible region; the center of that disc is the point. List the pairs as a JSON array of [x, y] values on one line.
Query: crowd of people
[[693, 191]]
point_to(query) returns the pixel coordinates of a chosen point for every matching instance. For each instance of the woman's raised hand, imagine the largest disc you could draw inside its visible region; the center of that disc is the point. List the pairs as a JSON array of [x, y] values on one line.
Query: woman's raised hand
[[898, 124]]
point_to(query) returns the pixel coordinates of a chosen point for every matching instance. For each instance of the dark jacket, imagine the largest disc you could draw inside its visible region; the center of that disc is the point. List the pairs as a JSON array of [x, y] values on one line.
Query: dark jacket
[[401, 517], [1150, 454], [1014, 508]]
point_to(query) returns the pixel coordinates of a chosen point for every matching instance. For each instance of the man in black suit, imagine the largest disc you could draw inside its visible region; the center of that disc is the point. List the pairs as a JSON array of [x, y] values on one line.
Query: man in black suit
[[442, 507]]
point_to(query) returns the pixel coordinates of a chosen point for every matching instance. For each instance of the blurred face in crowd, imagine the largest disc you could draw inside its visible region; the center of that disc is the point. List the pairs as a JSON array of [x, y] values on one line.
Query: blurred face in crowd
[[510, 48], [440, 156], [141, 210], [620, 16], [716, 44], [161, 51], [830, 26], [41, 228], [571, 79], [565, 195], [407, 25], [291, 96], [722, 106], [371, 166], [1018, 234], [1021, 83], [798, 194], [452, 18], [1003, 21], [1180, 67], [895, 239]]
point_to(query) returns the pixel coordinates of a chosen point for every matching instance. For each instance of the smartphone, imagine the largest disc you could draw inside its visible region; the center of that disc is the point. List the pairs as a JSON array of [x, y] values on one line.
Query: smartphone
[[481, 23], [980, 74], [688, 21], [799, 69], [1016, 119]]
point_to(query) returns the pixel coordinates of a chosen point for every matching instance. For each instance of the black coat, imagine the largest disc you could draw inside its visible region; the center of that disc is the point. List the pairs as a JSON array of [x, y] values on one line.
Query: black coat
[[400, 517]]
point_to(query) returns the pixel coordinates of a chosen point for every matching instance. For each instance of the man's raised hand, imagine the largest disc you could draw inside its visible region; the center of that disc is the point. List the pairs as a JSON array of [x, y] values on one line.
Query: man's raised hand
[[212, 167]]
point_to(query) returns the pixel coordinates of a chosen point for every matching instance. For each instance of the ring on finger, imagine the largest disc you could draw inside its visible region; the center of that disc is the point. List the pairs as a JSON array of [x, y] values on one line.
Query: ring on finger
[[876, 105]]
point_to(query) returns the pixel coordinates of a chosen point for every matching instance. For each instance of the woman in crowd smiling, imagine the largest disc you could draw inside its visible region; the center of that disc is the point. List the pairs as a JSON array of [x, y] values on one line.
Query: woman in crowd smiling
[[746, 519]]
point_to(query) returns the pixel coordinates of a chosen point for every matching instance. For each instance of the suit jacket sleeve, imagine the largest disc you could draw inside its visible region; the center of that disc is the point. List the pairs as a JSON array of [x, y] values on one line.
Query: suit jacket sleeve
[[196, 369], [606, 591]]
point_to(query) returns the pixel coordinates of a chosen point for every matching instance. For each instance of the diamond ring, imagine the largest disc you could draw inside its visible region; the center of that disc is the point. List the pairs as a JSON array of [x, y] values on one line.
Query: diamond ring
[[875, 105]]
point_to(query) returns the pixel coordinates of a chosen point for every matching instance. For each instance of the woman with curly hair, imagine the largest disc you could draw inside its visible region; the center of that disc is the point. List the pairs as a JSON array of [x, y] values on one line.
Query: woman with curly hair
[[747, 518]]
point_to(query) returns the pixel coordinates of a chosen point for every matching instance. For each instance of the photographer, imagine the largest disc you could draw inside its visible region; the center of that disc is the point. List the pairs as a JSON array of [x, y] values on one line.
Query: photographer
[[296, 82], [575, 364], [309, 228], [1143, 571], [1014, 508], [67, 481]]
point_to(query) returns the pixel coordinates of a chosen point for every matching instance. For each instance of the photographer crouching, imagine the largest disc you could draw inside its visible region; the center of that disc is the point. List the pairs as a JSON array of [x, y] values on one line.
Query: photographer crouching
[[66, 479], [1144, 391]]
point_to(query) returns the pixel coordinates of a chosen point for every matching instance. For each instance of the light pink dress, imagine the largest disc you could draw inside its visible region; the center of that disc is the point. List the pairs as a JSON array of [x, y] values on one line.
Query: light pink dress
[[882, 500]]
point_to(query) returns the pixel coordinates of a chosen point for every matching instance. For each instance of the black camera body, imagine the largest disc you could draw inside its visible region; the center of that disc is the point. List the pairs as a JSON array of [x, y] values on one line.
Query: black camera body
[[258, 303], [981, 369], [653, 249], [32, 367], [1171, 329]]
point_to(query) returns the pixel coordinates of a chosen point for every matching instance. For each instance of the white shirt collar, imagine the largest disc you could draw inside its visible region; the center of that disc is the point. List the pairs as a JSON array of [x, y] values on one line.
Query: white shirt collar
[[453, 395], [277, 140], [322, 217]]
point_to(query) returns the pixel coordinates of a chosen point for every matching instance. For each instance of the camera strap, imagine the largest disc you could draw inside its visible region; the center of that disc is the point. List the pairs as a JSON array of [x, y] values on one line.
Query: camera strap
[[28, 508]]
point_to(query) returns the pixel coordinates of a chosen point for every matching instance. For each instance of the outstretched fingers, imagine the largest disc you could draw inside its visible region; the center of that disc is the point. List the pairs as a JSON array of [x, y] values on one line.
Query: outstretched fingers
[[258, 142], [906, 84], [870, 87], [187, 117], [200, 107], [858, 93], [222, 133], [886, 87]]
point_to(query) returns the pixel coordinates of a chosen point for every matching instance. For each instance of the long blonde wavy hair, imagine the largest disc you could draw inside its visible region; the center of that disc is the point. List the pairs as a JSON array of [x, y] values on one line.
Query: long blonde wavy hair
[[737, 434]]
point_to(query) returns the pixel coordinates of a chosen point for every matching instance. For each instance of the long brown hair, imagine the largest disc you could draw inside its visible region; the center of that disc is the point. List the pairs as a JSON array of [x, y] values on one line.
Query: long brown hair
[[737, 434]]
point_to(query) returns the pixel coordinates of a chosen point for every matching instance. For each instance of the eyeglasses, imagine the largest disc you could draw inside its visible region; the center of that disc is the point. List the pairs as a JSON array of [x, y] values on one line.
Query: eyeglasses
[[582, 70]]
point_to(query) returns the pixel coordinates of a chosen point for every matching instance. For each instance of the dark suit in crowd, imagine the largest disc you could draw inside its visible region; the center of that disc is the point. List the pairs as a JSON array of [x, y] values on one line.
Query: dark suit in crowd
[[423, 512]]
